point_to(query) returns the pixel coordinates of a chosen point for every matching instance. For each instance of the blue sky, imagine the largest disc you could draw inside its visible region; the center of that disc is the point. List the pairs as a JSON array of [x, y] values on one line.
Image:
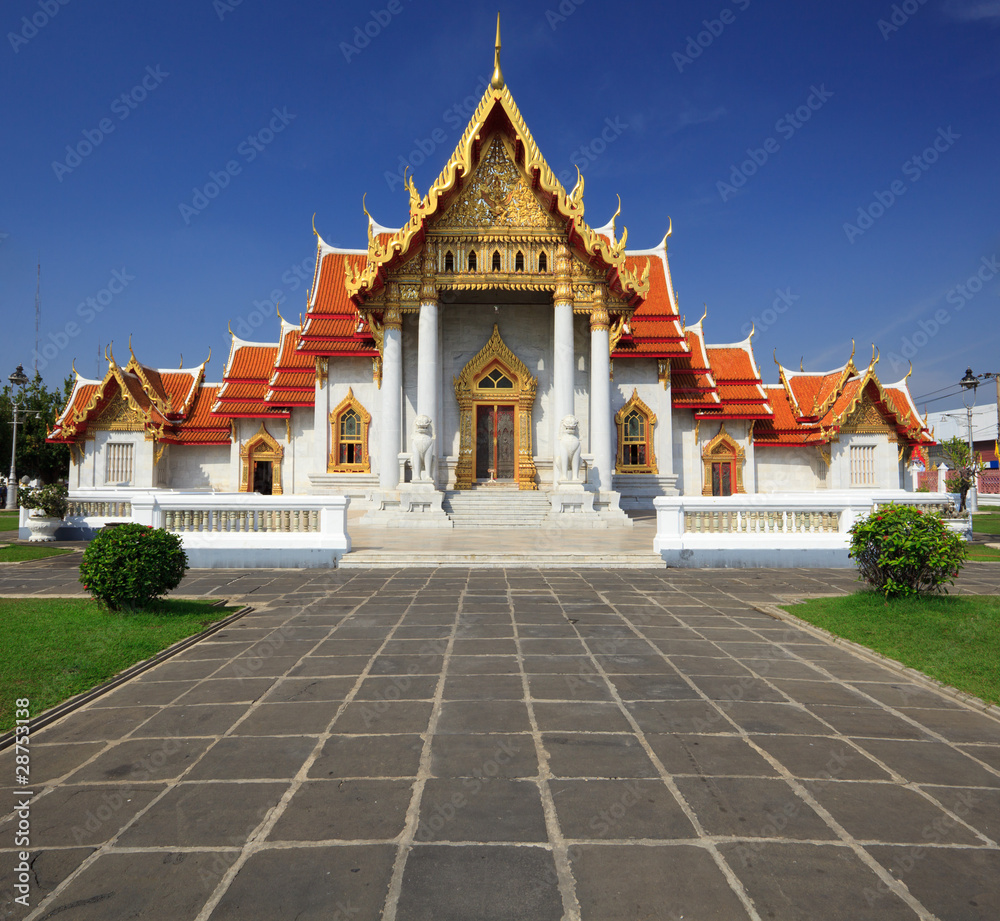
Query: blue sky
[[830, 169]]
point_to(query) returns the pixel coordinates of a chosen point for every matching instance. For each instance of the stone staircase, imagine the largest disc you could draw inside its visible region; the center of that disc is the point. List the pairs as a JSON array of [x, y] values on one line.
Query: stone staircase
[[497, 507]]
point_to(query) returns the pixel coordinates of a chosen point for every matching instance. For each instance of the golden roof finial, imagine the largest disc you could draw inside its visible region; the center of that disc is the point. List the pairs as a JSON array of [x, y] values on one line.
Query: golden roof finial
[[753, 329], [908, 373], [802, 363], [497, 81], [180, 367], [314, 224]]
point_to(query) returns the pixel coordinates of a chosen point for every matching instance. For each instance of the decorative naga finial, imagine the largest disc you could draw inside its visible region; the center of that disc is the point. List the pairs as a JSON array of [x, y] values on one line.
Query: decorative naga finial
[[314, 224], [753, 329], [497, 81], [576, 195], [802, 363], [411, 187], [180, 367], [908, 373], [371, 232]]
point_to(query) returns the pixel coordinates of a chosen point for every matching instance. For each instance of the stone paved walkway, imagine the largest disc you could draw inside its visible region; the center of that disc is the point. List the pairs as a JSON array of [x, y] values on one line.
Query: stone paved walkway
[[512, 744]]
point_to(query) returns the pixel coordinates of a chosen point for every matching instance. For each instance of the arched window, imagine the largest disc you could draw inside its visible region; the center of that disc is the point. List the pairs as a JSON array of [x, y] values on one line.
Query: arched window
[[349, 428], [723, 461], [496, 260], [519, 262], [449, 261], [634, 422], [543, 263], [472, 260]]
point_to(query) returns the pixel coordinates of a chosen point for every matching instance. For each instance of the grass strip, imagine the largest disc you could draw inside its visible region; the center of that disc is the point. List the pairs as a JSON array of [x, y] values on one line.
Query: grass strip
[[20, 553], [953, 638], [54, 648], [986, 522]]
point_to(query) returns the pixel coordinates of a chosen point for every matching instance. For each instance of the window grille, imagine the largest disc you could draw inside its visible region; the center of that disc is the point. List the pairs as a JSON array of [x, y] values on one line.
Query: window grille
[[119, 469], [863, 465]]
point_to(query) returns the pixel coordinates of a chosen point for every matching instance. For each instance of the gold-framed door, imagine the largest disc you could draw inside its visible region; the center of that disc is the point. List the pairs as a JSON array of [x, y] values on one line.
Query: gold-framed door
[[495, 377]]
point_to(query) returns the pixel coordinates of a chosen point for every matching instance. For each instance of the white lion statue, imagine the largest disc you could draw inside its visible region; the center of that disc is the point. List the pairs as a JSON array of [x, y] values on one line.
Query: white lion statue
[[422, 446], [568, 450]]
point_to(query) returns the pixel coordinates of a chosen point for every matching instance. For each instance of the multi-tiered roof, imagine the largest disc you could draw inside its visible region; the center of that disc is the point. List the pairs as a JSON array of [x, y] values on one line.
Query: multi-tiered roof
[[347, 301]]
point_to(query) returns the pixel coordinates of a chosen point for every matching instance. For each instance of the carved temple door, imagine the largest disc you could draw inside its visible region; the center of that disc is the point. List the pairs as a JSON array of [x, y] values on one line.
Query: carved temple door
[[496, 442]]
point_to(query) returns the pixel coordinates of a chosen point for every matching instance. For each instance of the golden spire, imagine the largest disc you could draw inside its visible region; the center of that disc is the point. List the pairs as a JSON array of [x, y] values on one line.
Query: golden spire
[[497, 81]]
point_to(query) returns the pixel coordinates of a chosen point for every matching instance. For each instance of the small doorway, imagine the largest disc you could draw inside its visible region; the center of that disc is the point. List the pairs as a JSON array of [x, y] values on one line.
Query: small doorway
[[262, 473], [722, 479], [495, 448]]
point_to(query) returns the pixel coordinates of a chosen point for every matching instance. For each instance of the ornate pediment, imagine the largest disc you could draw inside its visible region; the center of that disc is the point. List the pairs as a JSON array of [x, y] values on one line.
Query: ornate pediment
[[497, 197], [118, 416], [866, 418]]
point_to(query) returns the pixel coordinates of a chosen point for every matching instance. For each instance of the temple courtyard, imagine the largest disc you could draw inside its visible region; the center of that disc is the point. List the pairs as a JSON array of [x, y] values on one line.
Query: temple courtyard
[[522, 743]]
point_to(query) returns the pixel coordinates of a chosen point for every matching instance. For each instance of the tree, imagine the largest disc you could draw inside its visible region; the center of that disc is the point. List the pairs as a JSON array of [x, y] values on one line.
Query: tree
[[38, 408], [963, 470]]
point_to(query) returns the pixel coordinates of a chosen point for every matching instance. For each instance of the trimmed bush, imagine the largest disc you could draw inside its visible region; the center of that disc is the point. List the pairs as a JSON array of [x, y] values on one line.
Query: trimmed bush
[[128, 566], [901, 550]]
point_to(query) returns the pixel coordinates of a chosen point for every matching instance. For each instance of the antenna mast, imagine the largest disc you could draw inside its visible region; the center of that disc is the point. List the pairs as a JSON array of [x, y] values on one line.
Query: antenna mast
[[38, 310]]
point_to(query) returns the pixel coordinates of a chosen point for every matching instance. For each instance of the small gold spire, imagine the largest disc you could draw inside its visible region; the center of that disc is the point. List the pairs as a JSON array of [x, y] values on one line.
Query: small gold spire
[[497, 81]]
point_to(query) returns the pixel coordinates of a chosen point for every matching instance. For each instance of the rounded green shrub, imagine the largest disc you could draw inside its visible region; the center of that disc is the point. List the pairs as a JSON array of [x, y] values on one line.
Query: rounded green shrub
[[901, 550], [128, 566]]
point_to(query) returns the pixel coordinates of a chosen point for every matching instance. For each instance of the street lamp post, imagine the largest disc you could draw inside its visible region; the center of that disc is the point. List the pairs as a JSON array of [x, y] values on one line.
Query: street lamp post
[[18, 379], [969, 384]]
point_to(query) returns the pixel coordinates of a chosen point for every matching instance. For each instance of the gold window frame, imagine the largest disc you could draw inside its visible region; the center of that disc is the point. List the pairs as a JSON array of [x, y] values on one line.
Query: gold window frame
[[333, 463], [636, 404]]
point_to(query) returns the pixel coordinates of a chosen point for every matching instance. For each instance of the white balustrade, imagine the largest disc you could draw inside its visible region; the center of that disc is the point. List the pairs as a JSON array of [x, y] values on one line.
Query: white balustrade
[[228, 529], [780, 529]]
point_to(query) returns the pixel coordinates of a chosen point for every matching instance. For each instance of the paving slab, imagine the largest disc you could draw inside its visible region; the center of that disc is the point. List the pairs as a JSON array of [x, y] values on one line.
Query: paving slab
[[447, 743]]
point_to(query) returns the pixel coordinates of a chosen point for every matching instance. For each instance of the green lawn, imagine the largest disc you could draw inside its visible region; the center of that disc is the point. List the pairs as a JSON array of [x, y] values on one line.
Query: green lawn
[[8, 521], [18, 553], [983, 554], [986, 522], [953, 638], [52, 649]]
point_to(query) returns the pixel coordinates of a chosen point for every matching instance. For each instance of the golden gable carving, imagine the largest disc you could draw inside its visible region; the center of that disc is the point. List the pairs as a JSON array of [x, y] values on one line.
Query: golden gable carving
[[497, 196], [118, 416]]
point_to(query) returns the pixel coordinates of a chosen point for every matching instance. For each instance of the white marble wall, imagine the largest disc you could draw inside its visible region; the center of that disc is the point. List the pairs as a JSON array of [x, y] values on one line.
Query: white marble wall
[[781, 470]]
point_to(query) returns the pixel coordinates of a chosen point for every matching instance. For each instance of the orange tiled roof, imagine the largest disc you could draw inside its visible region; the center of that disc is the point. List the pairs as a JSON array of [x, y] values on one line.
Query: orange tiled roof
[[332, 326]]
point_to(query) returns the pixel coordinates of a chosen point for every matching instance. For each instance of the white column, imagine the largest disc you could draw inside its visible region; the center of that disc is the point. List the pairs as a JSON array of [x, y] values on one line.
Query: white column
[[562, 358], [392, 398], [428, 354], [600, 393]]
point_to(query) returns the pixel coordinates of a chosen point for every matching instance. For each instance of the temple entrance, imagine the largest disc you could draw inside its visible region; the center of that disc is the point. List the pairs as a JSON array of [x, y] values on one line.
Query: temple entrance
[[260, 463], [495, 442], [262, 472], [495, 393]]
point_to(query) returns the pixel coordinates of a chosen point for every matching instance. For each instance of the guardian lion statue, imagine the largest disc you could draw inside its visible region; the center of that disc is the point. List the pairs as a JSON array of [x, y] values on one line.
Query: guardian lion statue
[[568, 450], [422, 447]]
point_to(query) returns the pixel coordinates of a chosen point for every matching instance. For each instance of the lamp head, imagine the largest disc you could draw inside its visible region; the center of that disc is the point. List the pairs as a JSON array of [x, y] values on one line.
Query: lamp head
[[18, 378], [969, 384]]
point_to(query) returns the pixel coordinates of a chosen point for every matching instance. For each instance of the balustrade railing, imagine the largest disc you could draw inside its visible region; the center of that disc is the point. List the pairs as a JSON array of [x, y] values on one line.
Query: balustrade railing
[[242, 521], [98, 508], [749, 521]]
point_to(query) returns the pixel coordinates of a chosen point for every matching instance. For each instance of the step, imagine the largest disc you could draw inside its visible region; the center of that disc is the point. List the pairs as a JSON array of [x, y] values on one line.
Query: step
[[380, 559]]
